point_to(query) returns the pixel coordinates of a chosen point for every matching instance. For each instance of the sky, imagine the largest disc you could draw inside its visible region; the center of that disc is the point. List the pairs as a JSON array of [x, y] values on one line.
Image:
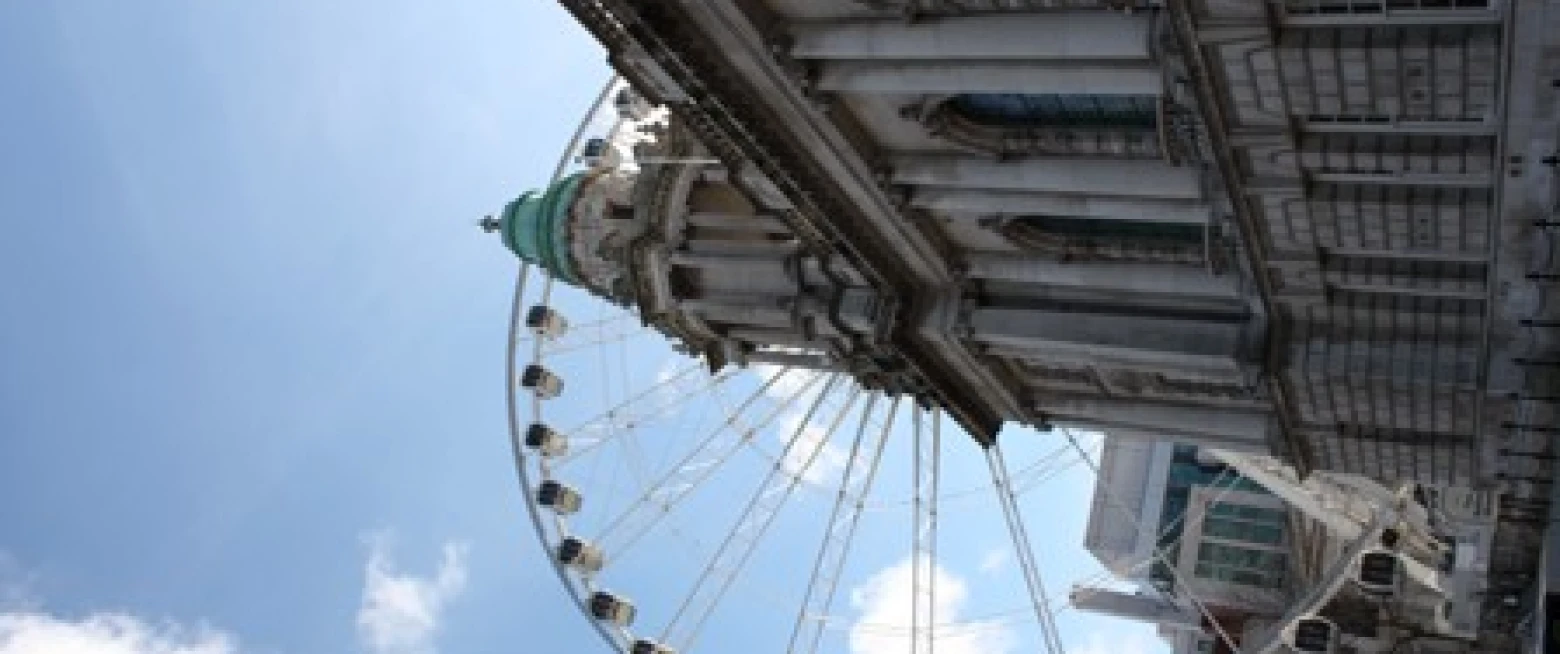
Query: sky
[[251, 342]]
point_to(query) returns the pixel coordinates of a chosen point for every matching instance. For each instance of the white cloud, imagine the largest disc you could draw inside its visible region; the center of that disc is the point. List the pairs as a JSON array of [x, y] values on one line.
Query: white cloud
[[827, 459], [105, 633], [26, 628], [667, 370], [401, 612], [811, 442], [884, 601], [793, 382], [995, 560]]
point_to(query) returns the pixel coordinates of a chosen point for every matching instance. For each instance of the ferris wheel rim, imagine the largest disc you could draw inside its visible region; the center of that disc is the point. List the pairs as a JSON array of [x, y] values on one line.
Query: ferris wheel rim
[[577, 586]]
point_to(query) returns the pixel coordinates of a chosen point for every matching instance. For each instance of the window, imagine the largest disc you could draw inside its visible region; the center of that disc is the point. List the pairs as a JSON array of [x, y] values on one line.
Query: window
[[1233, 555], [1022, 124], [1186, 472], [1239, 522], [1377, 6], [1051, 110], [1106, 229], [1267, 579], [1248, 513], [1250, 578], [1093, 239], [1227, 529], [1240, 565]]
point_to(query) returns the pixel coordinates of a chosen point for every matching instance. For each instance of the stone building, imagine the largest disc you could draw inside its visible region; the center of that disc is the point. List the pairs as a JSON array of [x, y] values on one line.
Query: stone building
[[1318, 229], [1270, 227]]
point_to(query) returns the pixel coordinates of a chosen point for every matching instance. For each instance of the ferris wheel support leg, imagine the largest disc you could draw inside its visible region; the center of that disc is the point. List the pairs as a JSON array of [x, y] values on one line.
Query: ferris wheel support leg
[[840, 532], [1023, 550]]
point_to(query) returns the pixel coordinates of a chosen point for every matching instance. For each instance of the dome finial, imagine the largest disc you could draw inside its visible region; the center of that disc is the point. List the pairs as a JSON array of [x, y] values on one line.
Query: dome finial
[[490, 224]]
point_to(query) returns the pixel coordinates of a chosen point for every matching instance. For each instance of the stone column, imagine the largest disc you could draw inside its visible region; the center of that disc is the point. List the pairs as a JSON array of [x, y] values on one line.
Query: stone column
[[1064, 35], [754, 311], [1128, 178], [735, 274]]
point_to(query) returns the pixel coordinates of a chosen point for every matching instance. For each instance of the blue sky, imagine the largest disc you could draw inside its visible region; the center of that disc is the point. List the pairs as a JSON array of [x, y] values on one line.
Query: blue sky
[[250, 354]]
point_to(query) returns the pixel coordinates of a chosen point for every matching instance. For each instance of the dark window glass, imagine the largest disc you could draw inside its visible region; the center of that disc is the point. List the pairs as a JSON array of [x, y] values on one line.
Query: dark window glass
[[1250, 578], [1248, 513], [1053, 110], [1133, 230], [1244, 531]]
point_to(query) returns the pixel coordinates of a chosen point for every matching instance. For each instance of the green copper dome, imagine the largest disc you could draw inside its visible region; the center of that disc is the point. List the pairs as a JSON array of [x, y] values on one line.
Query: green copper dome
[[536, 227]]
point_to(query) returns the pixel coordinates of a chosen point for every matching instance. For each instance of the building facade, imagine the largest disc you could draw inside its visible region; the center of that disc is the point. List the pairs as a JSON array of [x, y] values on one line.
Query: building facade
[[1250, 226], [1317, 229]]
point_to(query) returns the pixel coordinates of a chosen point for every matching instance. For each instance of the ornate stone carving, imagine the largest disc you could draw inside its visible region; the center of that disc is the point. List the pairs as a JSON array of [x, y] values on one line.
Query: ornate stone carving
[[1084, 247], [914, 9], [1160, 385], [942, 119]]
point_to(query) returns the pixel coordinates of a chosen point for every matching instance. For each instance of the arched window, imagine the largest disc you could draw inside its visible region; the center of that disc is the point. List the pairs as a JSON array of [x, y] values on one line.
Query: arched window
[[1054, 110], [1107, 229], [1020, 124], [1099, 239]]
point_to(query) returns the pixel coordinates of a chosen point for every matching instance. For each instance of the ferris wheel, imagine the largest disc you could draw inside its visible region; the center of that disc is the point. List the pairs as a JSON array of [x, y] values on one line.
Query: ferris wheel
[[779, 506]]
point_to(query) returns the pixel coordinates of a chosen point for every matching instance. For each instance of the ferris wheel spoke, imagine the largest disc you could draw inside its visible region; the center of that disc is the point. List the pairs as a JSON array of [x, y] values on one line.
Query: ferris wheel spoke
[[659, 399], [697, 467], [809, 378], [840, 531], [603, 334], [590, 332], [923, 539], [1043, 473], [1023, 551], [726, 565], [634, 457]]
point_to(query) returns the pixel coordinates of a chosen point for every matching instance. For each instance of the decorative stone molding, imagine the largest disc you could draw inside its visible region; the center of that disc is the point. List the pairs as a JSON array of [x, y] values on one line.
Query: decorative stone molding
[[1077, 247], [938, 8], [943, 119]]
